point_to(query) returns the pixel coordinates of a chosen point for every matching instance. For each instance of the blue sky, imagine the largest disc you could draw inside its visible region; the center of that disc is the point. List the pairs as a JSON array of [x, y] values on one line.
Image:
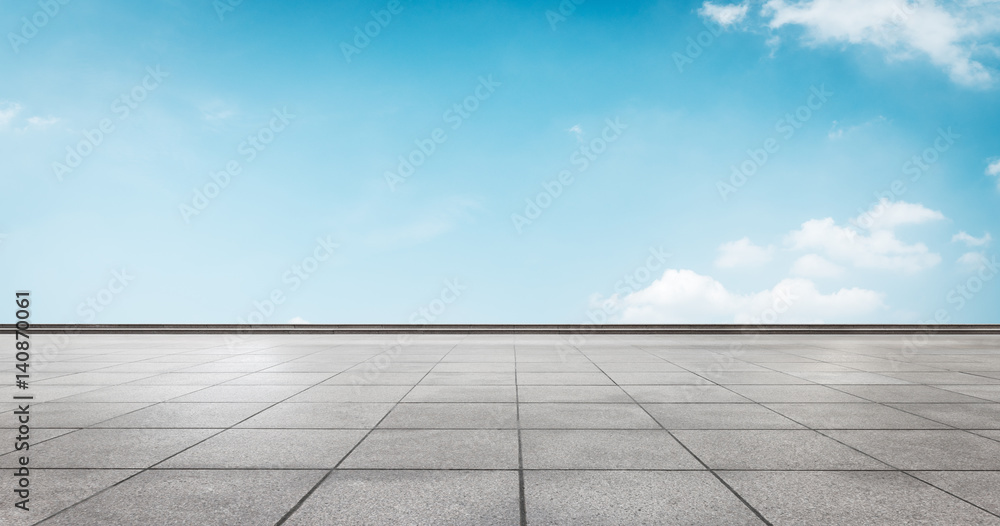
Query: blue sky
[[571, 163]]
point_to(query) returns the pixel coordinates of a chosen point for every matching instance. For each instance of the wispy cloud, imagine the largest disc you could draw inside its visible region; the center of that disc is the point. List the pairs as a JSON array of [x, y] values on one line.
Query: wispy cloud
[[971, 241], [724, 15], [948, 35]]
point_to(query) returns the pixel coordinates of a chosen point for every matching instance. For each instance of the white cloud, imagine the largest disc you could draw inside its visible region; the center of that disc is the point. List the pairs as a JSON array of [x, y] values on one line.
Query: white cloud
[[38, 123], [742, 253], [298, 321], [972, 261], [683, 296], [8, 110], [816, 266], [577, 131], [879, 248], [994, 170], [724, 15], [971, 241], [887, 215], [837, 131], [902, 28]]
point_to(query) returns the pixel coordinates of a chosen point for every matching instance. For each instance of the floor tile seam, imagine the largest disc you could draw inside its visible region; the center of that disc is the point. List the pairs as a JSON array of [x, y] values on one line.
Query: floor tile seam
[[521, 501]]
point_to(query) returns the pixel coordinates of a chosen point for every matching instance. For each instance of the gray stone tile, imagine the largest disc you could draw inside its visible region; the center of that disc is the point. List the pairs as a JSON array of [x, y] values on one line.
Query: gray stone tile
[[35, 436], [199, 379], [374, 378], [452, 416], [962, 416], [462, 393], [269, 449], [753, 377], [57, 489], [556, 367], [580, 498], [241, 393], [131, 393], [989, 393], [92, 378], [434, 378], [850, 378], [205, 498], [473, 368], [413, 497], [925, 450], [279, 378], [772, 449], [656, 378], [585, 416], [352, 393], [604, 449], [977, 487], [572, 393], [906, 393], [705, 393], [319, 416], [793, 393], [435, 449], [186, 415], [563, 379], [718, 416], [640, 367], [110, 448], [944, 377], [70, 415], [850, 499], [994, 434], [853, 416]]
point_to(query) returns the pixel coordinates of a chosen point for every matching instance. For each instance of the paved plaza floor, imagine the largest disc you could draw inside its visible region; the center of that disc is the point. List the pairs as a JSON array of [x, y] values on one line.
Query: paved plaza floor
[[319, 429]]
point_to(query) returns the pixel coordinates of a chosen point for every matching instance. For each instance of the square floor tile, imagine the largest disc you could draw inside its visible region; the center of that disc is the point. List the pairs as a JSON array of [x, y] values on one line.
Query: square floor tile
[[977, 487], [853, 416], [319, 416], [718, 416], [241, 393], [962, 416], [850, 498], [705, 393], [269, 449], [435, 449], [585, 416], [925, 450], [186, 415], [906, 394], [205, 498], [57, 489], [462, 393], [71, 415], [772, 449], [604, 449], [352, 393], [572, 393], [794, 393], [412, 497], [563, 379], [452, 416], [111, 448], [631, 497]]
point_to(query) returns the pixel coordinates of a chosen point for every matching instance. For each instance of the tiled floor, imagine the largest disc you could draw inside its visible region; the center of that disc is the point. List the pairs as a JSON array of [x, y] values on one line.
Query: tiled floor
[[309, 429]]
